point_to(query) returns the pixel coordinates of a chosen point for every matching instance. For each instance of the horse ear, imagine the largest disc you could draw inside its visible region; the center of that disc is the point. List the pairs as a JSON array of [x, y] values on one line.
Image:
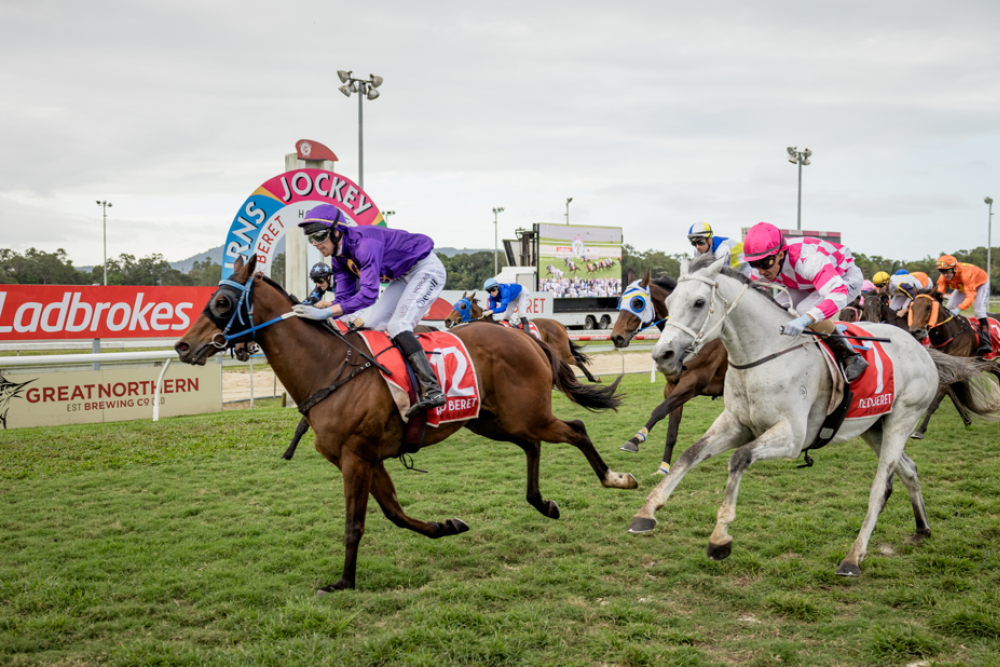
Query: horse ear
[[715, 267], [646, 278], [238, 264], [685, 263], [630, 278], [463, 294]]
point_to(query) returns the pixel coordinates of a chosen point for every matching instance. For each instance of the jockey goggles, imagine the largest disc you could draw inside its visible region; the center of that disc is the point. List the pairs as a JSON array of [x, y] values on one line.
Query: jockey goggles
[[701, 240], [318, 237], [764, 263]]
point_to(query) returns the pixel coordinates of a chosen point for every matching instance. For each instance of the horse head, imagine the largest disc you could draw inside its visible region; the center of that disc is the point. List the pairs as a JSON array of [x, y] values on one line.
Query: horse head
[[230, 309], [696, 314], [638, 307], [873, 308], [925, 312]]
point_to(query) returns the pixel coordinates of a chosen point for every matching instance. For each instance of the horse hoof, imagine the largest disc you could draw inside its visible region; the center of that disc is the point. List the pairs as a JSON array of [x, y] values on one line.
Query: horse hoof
[[597, 380], [848, 570], [457, 526], [719, 552], [329, 588], [553, 512], [917, 436], [917, 538], [641, 525], [630, 446]]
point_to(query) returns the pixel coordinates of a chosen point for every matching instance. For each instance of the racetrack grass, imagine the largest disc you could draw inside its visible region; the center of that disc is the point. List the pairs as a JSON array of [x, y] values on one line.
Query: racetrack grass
[[191, 542]]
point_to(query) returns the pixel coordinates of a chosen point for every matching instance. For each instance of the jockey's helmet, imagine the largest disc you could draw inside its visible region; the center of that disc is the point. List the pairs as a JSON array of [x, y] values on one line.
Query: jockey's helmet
[[490, 284], [946, 262], [901, 272], [324, 218], [320, 271], [880, 278], [763, 240], [700, 229]]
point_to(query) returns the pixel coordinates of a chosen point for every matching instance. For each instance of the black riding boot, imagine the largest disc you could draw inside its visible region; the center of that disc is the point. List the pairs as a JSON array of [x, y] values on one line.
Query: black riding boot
[[985, 344], [524, 325], [851, 360], [429, 393]]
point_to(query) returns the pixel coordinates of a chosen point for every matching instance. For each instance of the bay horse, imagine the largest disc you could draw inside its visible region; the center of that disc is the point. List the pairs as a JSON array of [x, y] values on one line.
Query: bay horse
[[877, 310], [954, 335], [643, 303], [467, 309], [778, 391], [359, 428]]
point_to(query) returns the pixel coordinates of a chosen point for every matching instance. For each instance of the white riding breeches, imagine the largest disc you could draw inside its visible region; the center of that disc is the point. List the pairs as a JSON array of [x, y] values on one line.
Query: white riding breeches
[[408, 298], [898, 302], [517, 308], [979, 306]]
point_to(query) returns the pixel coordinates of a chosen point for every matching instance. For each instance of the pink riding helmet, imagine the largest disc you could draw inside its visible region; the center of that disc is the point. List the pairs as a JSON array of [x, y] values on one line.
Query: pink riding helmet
[[763, 240]]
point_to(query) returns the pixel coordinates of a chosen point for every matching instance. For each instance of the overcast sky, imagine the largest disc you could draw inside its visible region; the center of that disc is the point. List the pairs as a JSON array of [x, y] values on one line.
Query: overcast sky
[[651, 115]]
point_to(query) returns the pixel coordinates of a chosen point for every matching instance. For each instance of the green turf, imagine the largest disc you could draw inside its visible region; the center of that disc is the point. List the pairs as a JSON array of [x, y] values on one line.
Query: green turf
[[191, 542]]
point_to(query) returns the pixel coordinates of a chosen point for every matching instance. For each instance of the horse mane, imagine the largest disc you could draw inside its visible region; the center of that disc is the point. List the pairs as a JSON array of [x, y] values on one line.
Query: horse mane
[[281, 290], [703, 261], [666, 282]]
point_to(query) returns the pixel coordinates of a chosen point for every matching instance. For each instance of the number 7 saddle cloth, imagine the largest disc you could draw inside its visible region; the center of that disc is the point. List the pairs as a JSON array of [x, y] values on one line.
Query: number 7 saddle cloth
[[875, 390], [452, 365]]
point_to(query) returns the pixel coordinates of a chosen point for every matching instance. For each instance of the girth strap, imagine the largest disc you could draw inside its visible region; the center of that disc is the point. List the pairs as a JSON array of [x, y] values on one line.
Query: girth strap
[[318, 396]]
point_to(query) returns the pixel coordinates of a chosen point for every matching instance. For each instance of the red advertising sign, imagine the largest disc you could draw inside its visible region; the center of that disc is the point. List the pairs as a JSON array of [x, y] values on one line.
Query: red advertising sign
[[67, 312]]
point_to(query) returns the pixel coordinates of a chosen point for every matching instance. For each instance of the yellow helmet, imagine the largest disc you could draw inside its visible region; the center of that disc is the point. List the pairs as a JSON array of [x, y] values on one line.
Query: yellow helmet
[[880, 278]]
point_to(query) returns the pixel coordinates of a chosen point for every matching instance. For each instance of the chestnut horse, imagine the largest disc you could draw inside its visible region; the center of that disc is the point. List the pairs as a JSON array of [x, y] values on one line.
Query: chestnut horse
[[467, 309], [359, 428], [703, 375], [877, 311]]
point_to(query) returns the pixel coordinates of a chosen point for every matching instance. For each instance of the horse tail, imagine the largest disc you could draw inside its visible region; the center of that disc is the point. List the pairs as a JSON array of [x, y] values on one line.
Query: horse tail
[[970, 378], [581, 357], [591, 397]]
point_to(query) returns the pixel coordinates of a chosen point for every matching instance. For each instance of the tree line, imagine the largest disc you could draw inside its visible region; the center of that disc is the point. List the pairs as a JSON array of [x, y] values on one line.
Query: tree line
[[465, 271]]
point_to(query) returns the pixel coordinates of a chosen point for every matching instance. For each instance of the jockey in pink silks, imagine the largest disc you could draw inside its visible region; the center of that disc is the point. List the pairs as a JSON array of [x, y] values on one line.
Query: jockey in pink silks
[[821, 278]]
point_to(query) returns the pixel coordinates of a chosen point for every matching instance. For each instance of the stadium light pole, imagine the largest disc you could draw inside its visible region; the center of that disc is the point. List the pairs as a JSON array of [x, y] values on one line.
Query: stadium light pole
[[497, 210], [800, 158], [364, 88], [568, 200], [989, 243], [386, 214], [105, 205]]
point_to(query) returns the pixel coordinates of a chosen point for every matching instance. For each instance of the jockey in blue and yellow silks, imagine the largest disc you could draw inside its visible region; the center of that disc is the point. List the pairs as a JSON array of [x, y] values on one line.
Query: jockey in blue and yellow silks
[[704, 240]]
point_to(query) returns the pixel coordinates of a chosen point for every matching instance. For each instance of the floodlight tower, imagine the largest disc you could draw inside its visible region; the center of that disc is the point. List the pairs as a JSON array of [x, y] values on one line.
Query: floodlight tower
[[800, 158], [989, 244], [568, 200], [364, 88], [105, 205], [497, 210]]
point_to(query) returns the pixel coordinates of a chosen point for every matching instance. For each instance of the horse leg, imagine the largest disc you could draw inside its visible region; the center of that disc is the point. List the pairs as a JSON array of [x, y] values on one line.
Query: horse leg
[[890, 453], [659, 412], [906, 470], [775, 442], [725, 433], [357, 474], [673, 426], [919, 433], [963, 413], [575, 433], [586, 371], [533, 450], [384, 492]]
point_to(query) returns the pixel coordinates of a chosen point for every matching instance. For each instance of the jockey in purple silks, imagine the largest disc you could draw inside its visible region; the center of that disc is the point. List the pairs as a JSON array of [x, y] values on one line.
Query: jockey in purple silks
[[361, 257]]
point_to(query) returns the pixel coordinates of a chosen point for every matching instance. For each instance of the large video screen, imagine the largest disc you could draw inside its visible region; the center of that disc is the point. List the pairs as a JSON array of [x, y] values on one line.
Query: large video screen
[[577, 261]]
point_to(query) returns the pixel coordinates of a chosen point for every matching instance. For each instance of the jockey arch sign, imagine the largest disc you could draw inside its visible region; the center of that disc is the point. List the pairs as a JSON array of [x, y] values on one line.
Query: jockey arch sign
[[280, 203]]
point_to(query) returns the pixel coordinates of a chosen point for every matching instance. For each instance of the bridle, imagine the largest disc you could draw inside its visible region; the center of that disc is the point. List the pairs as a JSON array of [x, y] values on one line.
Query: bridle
[[935, 310], [242, 314], [466, 310], [698, 341]]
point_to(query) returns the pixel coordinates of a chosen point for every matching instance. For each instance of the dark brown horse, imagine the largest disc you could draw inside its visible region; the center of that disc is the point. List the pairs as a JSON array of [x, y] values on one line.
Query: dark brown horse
[[704, 375], [876, 309], [951, 334], [359, 427], [552, 332]]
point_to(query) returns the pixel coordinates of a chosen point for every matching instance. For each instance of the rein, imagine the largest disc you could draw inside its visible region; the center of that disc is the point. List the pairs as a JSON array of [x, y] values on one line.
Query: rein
[[699, 337]]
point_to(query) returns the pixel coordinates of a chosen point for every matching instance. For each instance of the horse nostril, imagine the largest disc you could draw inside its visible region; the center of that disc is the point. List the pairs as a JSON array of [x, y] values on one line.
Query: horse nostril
[[181, 348], [667, 356]]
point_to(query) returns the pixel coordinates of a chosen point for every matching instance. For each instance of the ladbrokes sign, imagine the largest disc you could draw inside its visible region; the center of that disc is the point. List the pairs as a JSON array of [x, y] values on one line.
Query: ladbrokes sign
[[61, 312]]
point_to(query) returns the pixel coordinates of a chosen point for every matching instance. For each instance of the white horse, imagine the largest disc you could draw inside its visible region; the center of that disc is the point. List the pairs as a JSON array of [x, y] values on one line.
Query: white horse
[[774, 409]]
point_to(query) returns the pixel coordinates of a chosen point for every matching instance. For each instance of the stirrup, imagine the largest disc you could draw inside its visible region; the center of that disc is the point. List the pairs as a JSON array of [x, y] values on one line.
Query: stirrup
[[427, 402]]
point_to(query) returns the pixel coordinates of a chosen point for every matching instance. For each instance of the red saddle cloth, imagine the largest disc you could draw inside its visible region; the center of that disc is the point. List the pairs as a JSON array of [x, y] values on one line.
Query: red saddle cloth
[[875, 390], [531, 327], [994, 337], [452, 365]]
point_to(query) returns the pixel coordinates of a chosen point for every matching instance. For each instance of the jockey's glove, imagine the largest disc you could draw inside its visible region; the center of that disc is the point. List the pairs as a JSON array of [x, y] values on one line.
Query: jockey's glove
[[956, 311], [487, 313], [311, 312], [796, 326]]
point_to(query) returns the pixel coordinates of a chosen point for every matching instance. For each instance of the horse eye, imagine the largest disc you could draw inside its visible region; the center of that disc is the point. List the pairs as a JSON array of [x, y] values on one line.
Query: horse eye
[[699, 303], [222, 303]]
